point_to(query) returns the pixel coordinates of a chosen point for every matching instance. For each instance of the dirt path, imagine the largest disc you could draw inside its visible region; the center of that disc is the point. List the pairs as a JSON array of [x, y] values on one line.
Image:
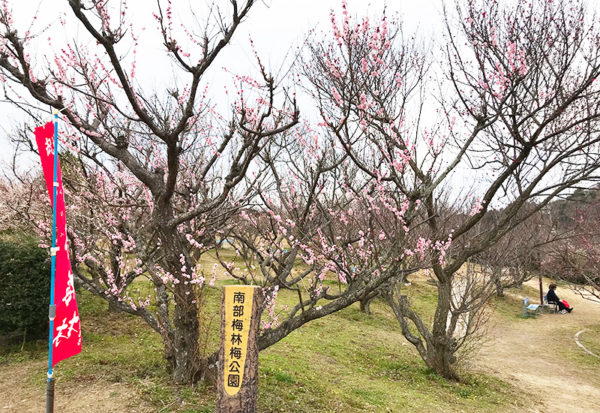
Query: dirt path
[[18, 394], [541, 357]]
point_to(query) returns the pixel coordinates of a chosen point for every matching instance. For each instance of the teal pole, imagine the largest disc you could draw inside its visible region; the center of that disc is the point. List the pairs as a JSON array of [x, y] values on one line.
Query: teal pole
[[53, 250]]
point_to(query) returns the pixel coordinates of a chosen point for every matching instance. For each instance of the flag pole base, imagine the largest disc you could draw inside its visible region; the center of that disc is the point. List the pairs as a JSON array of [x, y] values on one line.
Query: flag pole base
[[50, 396]]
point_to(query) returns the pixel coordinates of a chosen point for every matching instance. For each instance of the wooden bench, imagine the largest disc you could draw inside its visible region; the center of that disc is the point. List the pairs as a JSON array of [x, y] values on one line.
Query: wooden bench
[[530, 310]]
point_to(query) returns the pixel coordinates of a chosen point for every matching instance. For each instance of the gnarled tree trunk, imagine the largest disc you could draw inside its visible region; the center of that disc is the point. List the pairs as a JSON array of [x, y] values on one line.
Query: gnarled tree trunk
[[436, 346], [181, 343]]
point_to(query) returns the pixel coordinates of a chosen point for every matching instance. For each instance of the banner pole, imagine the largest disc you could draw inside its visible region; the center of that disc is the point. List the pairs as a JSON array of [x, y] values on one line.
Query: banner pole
[[53, 250]]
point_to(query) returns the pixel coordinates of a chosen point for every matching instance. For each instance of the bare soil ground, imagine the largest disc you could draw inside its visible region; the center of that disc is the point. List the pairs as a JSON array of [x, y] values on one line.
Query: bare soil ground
[[541, 357], [19, 394]]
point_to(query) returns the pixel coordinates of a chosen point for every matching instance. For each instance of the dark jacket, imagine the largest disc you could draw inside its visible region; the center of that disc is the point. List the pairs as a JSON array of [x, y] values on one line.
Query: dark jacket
[[552, 297]]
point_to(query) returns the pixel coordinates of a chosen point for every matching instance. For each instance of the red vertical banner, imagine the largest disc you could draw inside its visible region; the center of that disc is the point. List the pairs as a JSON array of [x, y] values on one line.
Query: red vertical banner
[[67, 329]]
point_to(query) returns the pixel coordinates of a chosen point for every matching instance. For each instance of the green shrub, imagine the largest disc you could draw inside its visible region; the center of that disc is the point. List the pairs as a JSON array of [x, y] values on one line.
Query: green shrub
[[24, 287]]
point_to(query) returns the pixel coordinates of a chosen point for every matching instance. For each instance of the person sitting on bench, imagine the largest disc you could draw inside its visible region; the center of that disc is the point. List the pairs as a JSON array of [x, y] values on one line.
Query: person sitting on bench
[[553, 298]]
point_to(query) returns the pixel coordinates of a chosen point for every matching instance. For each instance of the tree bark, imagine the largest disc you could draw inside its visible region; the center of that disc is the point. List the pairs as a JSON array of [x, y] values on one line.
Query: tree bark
[[499, 287], [365, 304], [181, 344], [440, 358], [186, 362], [436, 346], [440, 347], [113, 308]]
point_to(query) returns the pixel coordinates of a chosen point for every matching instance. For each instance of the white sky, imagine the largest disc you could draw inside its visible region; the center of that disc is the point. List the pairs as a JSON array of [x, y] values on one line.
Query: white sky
[[276, 26]]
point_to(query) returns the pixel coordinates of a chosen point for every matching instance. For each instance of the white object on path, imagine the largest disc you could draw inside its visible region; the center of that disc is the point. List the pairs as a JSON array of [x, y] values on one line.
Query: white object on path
[[582, 346]]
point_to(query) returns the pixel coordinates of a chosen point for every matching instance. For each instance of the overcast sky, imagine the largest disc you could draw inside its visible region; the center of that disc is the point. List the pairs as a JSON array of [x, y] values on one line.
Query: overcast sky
[[276, 27]]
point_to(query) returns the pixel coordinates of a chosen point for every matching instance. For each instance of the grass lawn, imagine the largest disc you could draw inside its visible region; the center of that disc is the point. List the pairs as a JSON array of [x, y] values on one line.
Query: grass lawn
[[350, 362]]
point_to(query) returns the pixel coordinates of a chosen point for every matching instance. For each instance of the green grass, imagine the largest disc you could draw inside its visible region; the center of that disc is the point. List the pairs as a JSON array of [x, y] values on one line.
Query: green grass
[[349, 361]]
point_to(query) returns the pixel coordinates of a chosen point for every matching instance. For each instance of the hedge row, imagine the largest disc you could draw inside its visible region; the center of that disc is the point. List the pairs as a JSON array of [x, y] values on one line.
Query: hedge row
[[24, 287]]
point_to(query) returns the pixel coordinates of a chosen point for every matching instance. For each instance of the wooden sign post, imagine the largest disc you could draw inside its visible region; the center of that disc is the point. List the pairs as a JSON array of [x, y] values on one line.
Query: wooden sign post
[[237, 385]]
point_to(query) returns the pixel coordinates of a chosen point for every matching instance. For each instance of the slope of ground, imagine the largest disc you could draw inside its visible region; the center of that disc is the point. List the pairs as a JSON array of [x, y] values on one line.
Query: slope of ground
[[540, 355], [347, 362]]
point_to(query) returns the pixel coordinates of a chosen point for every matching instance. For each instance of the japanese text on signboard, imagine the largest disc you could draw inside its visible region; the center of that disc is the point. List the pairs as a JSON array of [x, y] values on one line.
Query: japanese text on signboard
[[238, 310]]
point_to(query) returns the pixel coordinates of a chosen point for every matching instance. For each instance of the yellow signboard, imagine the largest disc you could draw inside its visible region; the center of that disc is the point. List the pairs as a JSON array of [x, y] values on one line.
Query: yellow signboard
[[238, 310]]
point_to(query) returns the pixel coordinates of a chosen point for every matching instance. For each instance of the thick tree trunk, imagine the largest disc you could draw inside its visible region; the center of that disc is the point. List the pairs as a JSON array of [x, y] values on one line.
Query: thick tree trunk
[[441, 359], [436, 346], [181, 348], [440, 348], [499, 287], [365, 304], [186, 361], [181, 344]]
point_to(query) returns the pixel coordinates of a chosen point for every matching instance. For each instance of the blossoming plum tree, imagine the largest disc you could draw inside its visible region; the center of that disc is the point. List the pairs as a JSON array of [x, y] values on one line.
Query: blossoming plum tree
[[154, 173], [516, 106], [338, 211]]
